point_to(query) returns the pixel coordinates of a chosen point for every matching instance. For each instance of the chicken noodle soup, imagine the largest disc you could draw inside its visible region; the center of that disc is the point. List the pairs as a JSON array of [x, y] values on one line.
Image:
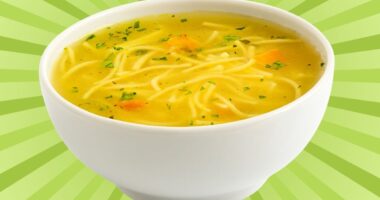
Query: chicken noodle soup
[[187, 69]]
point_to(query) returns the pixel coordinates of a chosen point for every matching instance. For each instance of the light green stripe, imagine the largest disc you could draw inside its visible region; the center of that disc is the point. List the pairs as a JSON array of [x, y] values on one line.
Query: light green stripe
[[268, 192], [358, 60], [86, 6], [10, 139], [281, 188], [18, 61], [354, 137], [359, 12], [16, 173], [116, 194], [104, 191], [313, 182], [18, 75], [68, 8], [55, 184], [306, 6], [19, 90], [357, 90], [358, 175], [364, 75], [90, 188], [361, 44], [365, 107], [17, 14], [256, 196], [100, 4], [20, 104]]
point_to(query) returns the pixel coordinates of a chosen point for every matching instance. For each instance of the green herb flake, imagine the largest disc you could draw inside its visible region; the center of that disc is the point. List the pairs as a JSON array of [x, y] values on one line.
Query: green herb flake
[[127, 96], [136, 25], [245, 41], [212, 123], [231, 38], [118, 48], [199, 49], [169, 106], [202, 88], [215, 115], [211, 82], [141, 30], [108, 97], [90, 37], [322, 64], [141, 52], [183, 20], [124, 38], [74, 89], [164, 58], [240, 28], [165, 39], [188, 92], [246, 88], [276, 65], [100, 45], [191, 123], [108, 62], [262, 97]]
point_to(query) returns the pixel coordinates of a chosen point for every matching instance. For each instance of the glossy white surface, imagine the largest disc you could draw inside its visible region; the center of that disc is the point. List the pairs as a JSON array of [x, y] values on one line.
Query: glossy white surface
[[224, 162]]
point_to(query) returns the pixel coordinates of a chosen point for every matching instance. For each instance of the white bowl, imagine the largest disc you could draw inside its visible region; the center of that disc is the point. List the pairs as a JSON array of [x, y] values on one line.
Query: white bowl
[[221, 162]]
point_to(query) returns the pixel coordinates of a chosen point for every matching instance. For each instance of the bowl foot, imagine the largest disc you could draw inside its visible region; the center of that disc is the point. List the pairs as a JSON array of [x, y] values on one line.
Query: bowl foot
[[237, 195]]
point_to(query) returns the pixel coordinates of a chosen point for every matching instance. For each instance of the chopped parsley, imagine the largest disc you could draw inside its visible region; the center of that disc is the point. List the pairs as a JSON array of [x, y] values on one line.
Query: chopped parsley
[[124, 38], [74, 89], [118, 48], [276, 65], [164, 39], [136, 25], [191, 123], [108, 62], [231, 38], [100, 45], [168, 106], [240, 28], [202, 88], [184, 20], [90, 37], [127, 96], [245, 41], [322, 64], [215, 115], [262, 97], [141, 29], [141, 52], [246, 88], [164, 58], [211, 82], [108, 97]]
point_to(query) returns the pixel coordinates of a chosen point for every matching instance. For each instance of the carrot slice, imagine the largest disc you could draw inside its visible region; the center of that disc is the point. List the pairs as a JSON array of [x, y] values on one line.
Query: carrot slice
[[182, 42], [271, 56], [132, 104]]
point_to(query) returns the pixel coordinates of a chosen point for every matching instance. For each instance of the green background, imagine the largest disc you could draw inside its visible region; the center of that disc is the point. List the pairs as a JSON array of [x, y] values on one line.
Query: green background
[[341, 162]]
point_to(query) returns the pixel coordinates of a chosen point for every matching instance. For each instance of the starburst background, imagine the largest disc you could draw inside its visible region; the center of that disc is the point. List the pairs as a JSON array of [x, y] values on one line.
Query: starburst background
[[341, 162]]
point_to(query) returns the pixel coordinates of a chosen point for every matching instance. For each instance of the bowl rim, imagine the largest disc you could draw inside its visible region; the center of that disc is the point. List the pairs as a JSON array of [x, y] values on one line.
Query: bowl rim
[[46, 83]]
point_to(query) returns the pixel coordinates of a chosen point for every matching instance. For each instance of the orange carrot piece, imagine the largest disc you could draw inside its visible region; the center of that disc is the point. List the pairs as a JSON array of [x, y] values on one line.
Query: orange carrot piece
[[132, 104], [182, 42], [271, 56]]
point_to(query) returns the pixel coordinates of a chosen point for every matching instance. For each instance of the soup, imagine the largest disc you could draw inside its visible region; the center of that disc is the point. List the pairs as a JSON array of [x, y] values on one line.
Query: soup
[[187, 69]]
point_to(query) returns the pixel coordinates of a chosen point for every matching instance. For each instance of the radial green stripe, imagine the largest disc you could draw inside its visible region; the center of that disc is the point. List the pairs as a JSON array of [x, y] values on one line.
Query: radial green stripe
[[90, 188], [99, 4], [18, 61], [358, 60], [281, 188], [9, 44], [366, 107], [361, 44], [357, 90], [360, 12], [18, 75], [19, 90], [68, 8], [104, 191], [55, 184], [268, 192], [313, 182], [23, 134], [355, 137], [116, 194], [20, 104], [25, 17], [365, 75], [306, 6], [358, 175], [21, 170], [273, 2], [256, 196]]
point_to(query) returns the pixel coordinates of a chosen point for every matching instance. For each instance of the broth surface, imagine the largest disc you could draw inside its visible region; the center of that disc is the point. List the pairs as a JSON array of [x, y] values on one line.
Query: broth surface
[[187, 69]]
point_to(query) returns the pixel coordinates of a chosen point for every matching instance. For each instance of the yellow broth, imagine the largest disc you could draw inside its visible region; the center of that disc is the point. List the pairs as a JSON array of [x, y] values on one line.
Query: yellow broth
[[187, 69]]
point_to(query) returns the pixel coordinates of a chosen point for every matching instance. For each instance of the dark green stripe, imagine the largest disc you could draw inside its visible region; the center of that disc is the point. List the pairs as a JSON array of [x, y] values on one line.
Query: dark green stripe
[[47, 191], [313, 182], [363, 178], [362, 44], [281, 188], [11, 106], [21, 170], [17, 14], [368, 75], [256, 196], [68, 8], [18, 76], [99, 4], [360, 106], [306, 6], [10, 139], [8, 44], [90, 188], [356, 13], [115, 195], [352, 136]]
